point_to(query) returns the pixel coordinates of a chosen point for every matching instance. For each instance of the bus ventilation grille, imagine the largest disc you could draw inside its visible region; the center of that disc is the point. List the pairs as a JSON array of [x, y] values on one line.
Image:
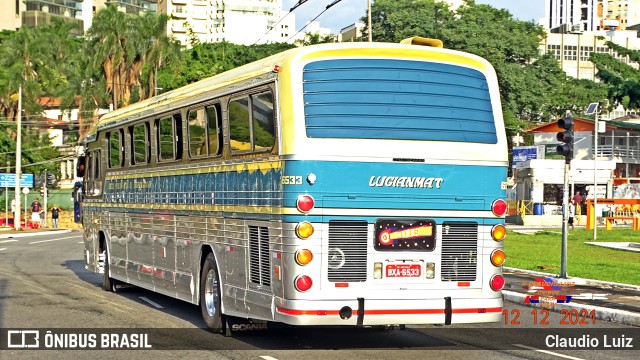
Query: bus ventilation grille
[[459, 251], [259, 255], [347, 253]]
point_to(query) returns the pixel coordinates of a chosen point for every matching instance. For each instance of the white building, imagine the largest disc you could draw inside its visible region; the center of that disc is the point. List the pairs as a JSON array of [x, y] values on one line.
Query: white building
[[243, 22], [591, 15], [572, 50]]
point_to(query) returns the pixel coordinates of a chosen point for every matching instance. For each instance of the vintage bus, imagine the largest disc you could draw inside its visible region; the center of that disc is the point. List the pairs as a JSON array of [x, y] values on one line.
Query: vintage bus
[[337, 184]]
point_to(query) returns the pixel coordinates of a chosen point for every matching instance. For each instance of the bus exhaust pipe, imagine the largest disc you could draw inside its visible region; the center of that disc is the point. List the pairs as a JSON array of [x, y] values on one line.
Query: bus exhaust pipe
[[345, 313]]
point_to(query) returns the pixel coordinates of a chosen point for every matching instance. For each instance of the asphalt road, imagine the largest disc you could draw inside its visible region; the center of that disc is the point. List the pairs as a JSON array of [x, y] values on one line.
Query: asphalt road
[[44, 287]]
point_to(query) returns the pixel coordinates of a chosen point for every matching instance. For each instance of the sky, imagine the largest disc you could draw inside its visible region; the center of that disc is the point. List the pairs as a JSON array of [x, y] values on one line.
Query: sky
[[347, 12]]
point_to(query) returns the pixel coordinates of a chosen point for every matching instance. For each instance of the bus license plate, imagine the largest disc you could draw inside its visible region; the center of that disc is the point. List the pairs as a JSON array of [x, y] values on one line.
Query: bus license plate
[[403, 270]]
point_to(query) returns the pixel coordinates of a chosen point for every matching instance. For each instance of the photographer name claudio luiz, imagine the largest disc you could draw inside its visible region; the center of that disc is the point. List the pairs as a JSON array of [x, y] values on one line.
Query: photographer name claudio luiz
[[589, 342]]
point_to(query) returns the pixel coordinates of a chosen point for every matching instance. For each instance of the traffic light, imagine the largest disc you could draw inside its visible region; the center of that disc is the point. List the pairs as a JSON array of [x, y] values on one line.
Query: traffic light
[[50, 178], [566, 137]]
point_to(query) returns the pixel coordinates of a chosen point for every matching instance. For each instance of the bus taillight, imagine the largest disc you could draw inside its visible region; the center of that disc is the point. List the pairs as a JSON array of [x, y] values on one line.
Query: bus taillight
[[496, 282], [303, 283], [498, 232], [304, 256], [304, 229], [499, 207], [498, 257], [305, 203]]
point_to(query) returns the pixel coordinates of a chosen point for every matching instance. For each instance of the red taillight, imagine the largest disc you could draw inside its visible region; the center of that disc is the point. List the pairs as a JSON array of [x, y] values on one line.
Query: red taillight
[[276, 68], [305, 203], [499, 207], [303, 283], [497, 282]]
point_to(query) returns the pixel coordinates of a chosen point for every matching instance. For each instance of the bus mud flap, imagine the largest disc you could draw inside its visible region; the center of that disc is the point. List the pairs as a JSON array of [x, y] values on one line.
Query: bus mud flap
[[447, 310], [360, 319]]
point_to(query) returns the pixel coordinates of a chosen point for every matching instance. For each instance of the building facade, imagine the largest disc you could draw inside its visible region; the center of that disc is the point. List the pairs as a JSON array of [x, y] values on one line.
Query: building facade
[[244, 22], [590, 15], [618, 141], [572, 50], [31, 13]]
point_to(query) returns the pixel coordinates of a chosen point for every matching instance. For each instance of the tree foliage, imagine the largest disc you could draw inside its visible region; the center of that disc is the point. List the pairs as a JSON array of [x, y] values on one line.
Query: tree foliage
[[533, 88], [622, 79], [208, 59], [122, 45]]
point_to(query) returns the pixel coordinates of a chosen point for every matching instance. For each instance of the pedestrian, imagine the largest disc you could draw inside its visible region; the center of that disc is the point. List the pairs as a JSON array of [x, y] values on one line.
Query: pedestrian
[[572, 213], [55, 213], [35, 212]]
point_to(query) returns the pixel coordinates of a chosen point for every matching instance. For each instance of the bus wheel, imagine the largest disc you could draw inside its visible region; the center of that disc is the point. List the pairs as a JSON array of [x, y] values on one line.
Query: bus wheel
[[210, 295]]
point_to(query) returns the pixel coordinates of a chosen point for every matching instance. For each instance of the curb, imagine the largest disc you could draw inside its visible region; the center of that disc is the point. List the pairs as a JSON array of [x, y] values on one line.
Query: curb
[[602, 313], [578, 281], [26, 234]]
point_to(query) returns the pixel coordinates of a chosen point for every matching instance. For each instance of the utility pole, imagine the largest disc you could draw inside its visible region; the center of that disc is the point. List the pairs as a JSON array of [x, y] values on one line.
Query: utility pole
[[369, 21], [6, 196], [46, 179], [16, 219]]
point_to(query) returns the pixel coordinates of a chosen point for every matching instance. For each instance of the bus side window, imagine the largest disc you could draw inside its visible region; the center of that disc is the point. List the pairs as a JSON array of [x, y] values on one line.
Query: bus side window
[[197, 128], [139, 147], [167, 148], [215, 131], [264, 133], [239, 126], [93, 184], [115, 149]]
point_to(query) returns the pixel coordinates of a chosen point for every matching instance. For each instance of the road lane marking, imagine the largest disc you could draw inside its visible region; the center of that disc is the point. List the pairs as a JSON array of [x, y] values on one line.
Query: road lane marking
[[265, 357], [3, 249], [7, 241], [547, 352], [43, 241], [158, 306]]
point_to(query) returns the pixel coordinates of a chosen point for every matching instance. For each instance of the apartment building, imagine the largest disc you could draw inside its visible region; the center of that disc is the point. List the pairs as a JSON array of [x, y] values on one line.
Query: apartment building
[[591, 15], [572, 50], [244, 22], [18, 13]]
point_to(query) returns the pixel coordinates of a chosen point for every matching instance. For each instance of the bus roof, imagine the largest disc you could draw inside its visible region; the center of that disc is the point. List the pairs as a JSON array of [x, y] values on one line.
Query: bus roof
[[282, 60]]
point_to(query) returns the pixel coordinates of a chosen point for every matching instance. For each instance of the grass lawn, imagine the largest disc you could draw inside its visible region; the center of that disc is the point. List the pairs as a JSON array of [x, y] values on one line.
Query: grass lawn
[[541, 252]]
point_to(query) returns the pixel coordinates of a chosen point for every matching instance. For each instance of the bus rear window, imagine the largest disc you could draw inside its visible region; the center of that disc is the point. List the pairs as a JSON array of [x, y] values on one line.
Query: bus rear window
[[397, 99]]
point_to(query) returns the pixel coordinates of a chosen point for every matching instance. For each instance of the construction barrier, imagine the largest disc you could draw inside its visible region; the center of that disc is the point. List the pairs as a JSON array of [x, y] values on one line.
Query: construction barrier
[[616, 209]]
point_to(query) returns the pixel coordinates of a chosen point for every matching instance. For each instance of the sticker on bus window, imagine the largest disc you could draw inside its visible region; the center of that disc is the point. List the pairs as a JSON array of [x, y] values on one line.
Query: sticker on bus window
[[405, 235]]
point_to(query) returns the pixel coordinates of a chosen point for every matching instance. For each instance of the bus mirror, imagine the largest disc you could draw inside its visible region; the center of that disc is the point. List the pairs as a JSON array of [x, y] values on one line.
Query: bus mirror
[[80, 167]]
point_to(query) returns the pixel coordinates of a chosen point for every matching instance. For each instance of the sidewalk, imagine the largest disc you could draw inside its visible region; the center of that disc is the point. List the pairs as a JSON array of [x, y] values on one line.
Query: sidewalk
[[6, 233]]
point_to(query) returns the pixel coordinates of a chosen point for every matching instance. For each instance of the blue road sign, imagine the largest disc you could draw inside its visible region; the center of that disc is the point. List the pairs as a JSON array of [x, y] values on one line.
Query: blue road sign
[[9, 180]]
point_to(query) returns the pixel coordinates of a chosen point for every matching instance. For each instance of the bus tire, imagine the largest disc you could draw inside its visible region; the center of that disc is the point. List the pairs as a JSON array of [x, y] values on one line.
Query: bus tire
[[210, 296], [107, 282]]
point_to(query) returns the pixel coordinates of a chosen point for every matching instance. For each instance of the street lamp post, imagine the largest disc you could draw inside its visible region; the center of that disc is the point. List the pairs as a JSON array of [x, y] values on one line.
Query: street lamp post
[[593, 109], [595, 177], [16, 218]]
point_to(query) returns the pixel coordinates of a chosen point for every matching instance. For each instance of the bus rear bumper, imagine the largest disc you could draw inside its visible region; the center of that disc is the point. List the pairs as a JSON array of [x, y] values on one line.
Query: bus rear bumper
[[368, 312]]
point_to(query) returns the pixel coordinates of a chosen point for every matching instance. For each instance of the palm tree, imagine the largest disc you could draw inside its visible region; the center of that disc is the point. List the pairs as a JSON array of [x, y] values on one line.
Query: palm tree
[[108, 40], [123, 44], [161, 48]]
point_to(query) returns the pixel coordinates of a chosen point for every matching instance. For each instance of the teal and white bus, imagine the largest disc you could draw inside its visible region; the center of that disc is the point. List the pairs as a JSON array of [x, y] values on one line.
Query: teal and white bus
[[337, 184]]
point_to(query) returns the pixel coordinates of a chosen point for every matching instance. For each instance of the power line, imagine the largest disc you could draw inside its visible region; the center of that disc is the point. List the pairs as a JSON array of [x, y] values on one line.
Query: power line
[[314, 19], [273, 27]]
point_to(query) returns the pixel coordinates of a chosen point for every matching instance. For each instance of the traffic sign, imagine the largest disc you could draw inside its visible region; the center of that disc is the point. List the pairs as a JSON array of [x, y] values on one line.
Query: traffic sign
[[9, 180]]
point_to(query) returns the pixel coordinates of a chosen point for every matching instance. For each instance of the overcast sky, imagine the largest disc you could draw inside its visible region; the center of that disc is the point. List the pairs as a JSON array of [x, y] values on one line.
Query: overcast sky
[[347, 12]]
